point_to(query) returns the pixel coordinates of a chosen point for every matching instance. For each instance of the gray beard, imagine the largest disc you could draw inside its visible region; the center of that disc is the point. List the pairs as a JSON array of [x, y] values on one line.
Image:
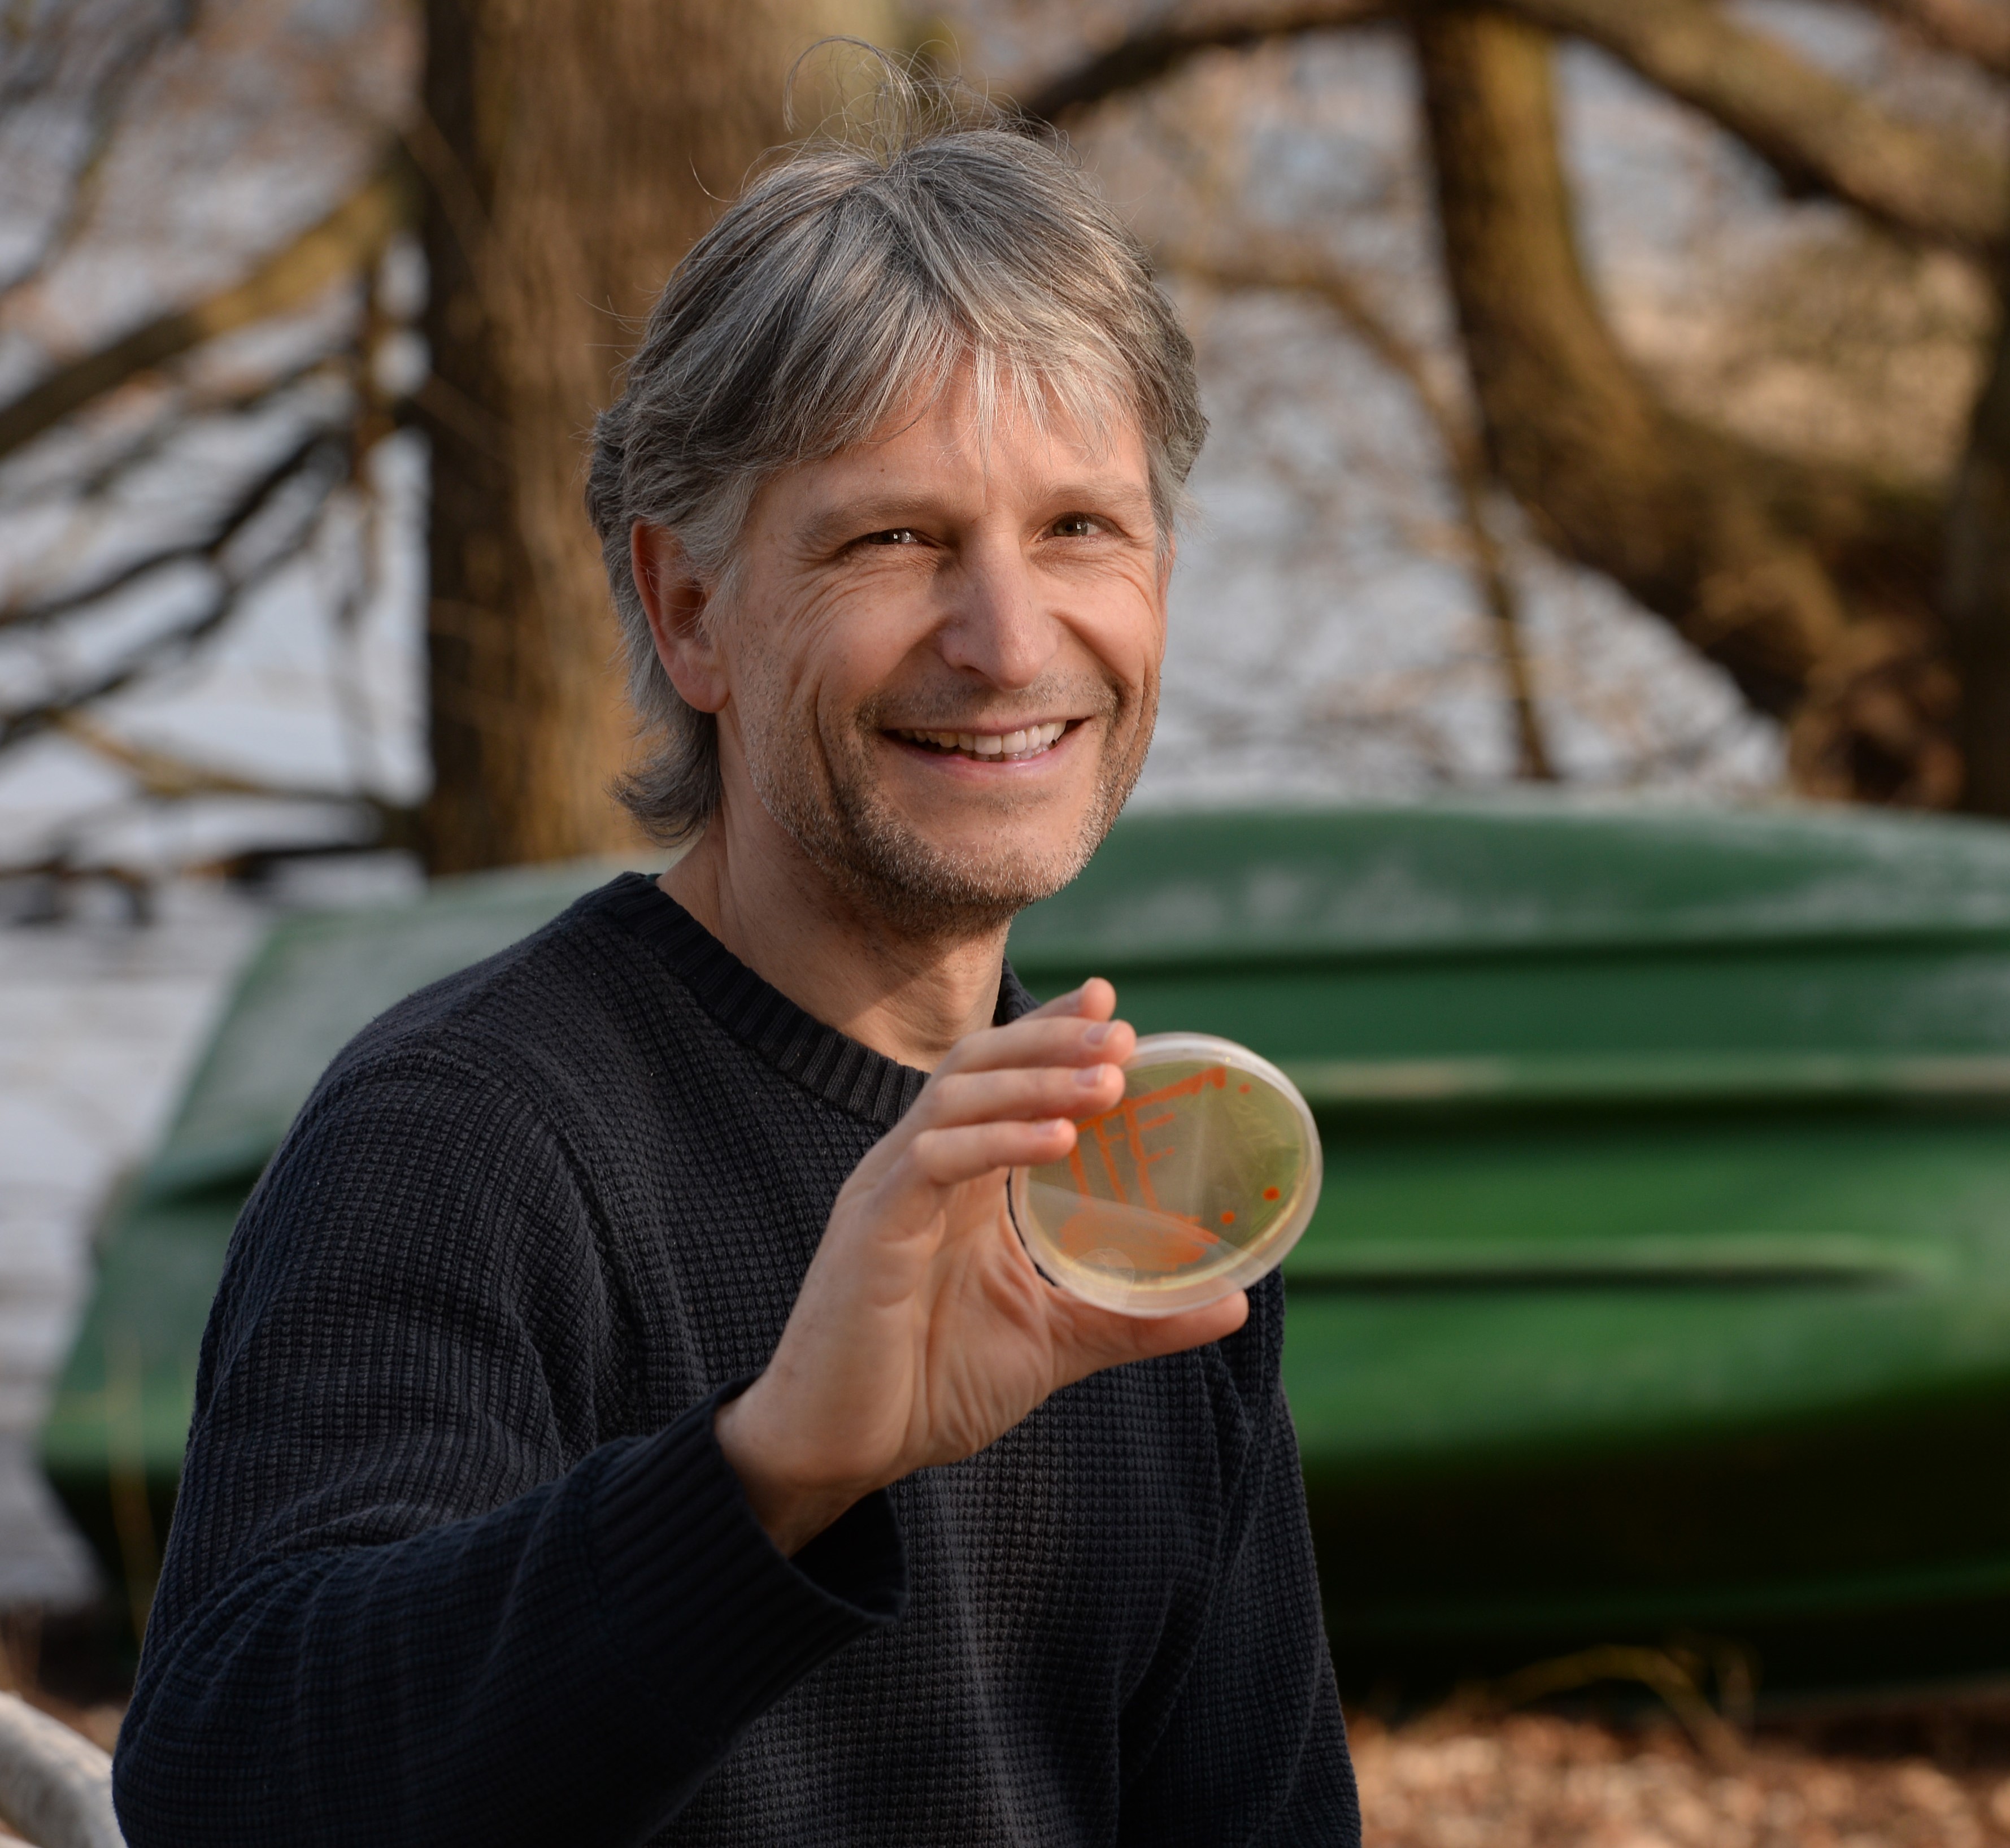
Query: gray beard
[[891, 873]]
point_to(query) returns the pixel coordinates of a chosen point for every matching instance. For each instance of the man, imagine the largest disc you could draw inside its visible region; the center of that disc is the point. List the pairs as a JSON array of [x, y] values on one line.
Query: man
[[627, 1413]]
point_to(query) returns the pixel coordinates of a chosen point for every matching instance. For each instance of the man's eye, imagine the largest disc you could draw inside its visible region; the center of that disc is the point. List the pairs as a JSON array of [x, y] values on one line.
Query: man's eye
[[1073, 526], [893, 535]]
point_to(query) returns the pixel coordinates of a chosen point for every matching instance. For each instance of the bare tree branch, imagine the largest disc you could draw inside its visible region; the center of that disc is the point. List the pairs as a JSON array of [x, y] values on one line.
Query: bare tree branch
[[18, 726], [1256, 261], [1817, 131], [163, 776], [1976, 30], [1809, 582], [341, 243], [1172, 37], [104, 475], [25, 722], [130, 53], [253, 499]]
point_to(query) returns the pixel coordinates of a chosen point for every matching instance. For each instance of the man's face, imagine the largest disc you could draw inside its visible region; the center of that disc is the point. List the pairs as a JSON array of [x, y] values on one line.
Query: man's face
[[941, 658]]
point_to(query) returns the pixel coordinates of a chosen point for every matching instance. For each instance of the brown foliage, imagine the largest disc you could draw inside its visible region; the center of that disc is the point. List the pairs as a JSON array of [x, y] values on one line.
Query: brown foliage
[[1535, 1781]]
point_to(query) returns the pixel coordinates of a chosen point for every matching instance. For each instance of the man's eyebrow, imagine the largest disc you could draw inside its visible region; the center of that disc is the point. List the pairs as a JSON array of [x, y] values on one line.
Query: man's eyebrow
[[1088, 496], [874, 514], [851, 519]]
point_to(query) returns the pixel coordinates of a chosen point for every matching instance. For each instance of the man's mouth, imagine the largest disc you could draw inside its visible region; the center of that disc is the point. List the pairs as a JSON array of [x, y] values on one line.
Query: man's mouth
[[990, 747]]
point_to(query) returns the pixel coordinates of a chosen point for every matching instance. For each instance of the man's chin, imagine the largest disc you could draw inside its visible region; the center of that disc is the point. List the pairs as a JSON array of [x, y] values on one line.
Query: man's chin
[[958, 886], [943, 859], [938, 882]]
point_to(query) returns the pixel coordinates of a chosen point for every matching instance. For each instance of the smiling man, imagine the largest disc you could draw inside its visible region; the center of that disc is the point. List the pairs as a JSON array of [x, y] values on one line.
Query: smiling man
[[628, 1414]]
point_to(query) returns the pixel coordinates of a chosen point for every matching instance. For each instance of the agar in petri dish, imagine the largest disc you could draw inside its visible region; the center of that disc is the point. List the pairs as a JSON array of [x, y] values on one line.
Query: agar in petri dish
[[1196, 1185]]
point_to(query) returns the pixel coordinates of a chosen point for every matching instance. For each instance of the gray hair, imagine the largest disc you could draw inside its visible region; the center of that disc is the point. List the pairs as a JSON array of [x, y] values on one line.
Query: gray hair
[[854, 274]]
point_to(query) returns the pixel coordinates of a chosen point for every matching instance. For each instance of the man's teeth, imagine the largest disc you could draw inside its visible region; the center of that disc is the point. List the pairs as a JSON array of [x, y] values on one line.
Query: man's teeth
[[1006, 747]]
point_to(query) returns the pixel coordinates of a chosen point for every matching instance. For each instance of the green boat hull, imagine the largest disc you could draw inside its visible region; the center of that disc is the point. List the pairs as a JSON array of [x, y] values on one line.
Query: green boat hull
[[1661, 1282], [112, 1445]]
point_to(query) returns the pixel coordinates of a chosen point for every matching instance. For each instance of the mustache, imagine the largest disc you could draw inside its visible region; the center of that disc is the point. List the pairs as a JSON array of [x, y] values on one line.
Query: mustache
[[959, 709]]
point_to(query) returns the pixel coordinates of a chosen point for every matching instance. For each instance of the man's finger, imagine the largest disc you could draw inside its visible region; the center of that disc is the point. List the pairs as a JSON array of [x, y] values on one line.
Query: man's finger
[[1052, 1039], [1019, 1093], [948, 1157], [1096, 1000]]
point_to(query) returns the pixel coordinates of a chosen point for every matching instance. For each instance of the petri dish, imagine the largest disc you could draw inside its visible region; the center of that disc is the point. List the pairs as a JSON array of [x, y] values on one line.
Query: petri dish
[[1196, 1185]]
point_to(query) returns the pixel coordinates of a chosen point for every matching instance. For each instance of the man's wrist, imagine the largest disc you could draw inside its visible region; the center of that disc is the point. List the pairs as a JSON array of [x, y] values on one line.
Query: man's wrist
[[792, 1510]]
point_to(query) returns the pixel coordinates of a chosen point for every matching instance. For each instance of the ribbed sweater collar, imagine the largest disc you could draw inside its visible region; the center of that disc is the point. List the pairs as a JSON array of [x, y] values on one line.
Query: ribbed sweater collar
[[834, 1066]]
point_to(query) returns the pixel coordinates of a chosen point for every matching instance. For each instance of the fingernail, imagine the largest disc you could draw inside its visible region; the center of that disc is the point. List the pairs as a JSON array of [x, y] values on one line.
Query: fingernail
[[1090, 1076], [1097, 1034]]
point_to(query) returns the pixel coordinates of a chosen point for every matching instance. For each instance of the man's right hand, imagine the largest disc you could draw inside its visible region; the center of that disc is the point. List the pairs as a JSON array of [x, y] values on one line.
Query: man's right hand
[[922, 1331]]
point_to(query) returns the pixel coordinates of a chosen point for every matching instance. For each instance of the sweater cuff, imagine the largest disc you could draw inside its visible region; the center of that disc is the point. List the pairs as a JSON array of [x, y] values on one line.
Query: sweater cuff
[[701, 1597]]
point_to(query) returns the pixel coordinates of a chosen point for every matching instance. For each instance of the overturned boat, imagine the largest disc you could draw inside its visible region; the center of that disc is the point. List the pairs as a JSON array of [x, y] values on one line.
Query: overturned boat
[[1661, 1285]]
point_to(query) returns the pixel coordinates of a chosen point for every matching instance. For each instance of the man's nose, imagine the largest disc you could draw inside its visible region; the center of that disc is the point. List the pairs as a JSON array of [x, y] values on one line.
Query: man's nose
[[999, 627]]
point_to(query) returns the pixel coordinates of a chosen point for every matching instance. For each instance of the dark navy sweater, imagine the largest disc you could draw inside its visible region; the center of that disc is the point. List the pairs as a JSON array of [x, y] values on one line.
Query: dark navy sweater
[[457, 1559]]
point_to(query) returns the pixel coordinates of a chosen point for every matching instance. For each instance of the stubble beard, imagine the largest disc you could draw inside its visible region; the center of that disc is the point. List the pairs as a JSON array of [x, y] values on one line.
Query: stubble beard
[[825, 795]]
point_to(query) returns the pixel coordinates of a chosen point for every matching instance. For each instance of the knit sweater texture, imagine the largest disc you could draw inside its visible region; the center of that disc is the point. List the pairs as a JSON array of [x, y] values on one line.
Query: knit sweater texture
[[458, 1560]]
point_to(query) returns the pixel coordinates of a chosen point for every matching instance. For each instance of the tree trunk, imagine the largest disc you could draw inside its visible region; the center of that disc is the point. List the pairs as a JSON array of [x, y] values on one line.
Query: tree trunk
[[572, 150], [1804, 580], [1977, 590]]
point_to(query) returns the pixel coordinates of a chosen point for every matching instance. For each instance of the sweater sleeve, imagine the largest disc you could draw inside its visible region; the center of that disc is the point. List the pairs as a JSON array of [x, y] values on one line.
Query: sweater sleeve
[[1253, 1754], [407, 1596]]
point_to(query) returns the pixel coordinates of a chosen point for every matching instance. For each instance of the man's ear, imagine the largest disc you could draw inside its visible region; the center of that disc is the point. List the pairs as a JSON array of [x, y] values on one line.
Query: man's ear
[[675, 597]]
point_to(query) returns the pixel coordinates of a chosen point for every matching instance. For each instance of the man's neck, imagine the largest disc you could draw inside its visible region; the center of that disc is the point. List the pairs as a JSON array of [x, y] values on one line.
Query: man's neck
[[910, 998]]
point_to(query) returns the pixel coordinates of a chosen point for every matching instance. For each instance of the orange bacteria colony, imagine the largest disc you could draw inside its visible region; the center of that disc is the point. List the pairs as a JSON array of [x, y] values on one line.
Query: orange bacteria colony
[[1196, 1185]]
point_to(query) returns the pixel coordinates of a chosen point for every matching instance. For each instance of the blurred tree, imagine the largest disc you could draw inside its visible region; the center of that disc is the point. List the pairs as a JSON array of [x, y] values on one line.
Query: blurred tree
[[572, 150], [178, 445], [1869, 611], [1977, 587], [201, 383], [561, 158], [1812, 584]]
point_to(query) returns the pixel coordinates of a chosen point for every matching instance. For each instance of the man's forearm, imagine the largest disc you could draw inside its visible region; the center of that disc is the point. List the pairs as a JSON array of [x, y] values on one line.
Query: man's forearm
[[570, 1666]]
